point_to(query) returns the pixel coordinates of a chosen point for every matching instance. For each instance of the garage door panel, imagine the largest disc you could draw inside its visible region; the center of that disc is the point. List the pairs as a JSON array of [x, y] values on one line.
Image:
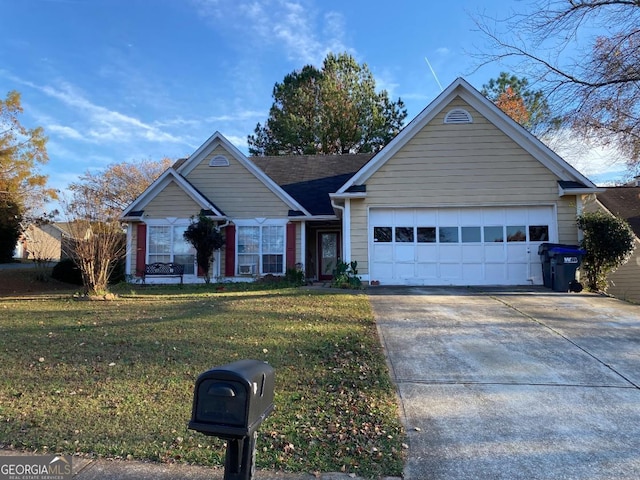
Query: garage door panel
[[405, 270], [472, 254], [405, 253], [427, 253], [495, 253], [383, 252], [451, 271], [497, 271], [450, 253], [518, 253], [473, 273], [427, 270]]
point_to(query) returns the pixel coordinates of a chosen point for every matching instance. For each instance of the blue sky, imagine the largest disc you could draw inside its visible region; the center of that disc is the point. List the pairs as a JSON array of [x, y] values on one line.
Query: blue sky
[[122, 80]]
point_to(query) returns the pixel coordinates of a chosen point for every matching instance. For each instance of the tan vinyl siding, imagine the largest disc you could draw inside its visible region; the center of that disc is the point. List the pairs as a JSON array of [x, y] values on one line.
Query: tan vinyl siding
[[171, 202], [359, 235], [234, 190], [457, 165], [623, 283], [474, 164], [567, 227]]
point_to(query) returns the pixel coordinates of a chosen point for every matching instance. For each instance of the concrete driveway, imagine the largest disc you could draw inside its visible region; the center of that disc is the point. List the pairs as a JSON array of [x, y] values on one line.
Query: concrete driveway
[[514, 384]]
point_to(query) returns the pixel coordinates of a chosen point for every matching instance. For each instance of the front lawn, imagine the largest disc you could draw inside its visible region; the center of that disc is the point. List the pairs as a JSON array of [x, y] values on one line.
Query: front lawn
[[115, 378]]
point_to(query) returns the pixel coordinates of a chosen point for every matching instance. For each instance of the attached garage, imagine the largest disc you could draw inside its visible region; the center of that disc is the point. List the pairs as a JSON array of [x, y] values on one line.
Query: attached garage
[[459, 246]]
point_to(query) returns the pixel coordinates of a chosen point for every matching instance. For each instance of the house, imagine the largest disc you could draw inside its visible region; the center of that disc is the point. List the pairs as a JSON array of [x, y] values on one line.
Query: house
[[41, 241], [462, 196], [623, 202]]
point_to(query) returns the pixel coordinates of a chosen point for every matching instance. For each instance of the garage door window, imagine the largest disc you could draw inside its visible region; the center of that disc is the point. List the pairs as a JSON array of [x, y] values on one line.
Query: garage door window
[[539, 233], [471, 235], [493, 234], [448, 235], [516, 234], [404, 234], [426, 234], [382, 234]]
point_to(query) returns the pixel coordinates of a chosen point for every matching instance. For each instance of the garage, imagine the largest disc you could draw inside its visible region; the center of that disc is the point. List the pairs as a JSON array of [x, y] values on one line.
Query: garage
[[459, 246]]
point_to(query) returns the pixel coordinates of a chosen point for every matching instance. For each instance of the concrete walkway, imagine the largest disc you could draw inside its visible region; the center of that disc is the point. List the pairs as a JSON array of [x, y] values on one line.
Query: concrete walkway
[[514, 384]]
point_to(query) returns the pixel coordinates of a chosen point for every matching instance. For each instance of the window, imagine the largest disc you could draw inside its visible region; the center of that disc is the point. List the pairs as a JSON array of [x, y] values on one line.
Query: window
[[382, 234], [516, 234], [471, 234], [261, 250], [426, 234], [404, 234], [539, 233], [448, 235], [493, 234], [167, 244]]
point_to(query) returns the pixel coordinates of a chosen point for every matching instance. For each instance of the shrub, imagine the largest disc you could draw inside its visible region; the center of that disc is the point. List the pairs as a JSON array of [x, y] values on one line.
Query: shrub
[[346, 275], [609, 242], [67, 271]]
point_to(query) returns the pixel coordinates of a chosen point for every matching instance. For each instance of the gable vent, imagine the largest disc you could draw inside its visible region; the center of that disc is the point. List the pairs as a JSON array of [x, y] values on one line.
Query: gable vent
[[219, 161], [458, 115]]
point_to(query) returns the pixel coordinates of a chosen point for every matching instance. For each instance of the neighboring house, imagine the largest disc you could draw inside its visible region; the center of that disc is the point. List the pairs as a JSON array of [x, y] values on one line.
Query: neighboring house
[[623, 202], [462, 196], [41, 242]]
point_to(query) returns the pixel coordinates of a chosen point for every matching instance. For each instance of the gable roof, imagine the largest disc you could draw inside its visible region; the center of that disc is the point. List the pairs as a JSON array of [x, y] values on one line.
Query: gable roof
[[136, 209], [216, 140], [623, 202], [501, 120], [311, 178]]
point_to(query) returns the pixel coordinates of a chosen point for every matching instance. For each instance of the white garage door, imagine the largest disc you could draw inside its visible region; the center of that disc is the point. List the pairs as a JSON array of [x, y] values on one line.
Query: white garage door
[[459, 246]]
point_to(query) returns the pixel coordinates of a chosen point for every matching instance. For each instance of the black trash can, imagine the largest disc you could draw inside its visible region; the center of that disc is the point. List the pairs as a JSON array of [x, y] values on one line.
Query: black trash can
[[563, 262], [543, 251]]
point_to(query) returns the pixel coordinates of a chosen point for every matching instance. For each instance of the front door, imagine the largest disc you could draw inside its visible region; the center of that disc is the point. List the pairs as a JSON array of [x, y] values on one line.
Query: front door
[[328, 253]]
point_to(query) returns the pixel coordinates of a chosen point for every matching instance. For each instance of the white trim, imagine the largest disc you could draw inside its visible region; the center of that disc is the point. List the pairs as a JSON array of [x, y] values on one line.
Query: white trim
[[127, 264], [169, 175], [303, 246], [260, 222], [346, 232]]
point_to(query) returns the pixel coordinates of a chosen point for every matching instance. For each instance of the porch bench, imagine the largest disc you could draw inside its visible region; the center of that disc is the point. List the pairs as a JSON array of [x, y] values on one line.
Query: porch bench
[[160, 269]]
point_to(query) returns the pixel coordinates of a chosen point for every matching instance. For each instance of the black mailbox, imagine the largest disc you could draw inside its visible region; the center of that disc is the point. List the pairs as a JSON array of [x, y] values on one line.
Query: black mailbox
[[232, 401]]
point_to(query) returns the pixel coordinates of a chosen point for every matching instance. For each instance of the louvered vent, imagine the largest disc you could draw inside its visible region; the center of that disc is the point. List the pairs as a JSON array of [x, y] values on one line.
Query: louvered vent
[[458, 115], [219, 161]]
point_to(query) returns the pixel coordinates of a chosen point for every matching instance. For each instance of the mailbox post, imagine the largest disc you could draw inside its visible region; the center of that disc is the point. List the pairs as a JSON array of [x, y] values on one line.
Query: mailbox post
[[231, 402]]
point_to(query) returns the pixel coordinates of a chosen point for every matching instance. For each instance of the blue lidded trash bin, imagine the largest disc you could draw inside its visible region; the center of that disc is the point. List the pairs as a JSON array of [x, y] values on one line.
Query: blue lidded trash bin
[[559, 265]]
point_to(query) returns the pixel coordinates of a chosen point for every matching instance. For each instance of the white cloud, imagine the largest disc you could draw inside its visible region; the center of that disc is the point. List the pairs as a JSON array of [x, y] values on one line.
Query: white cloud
[[64, 131], [102, 124], [296, 26], [603, 164]]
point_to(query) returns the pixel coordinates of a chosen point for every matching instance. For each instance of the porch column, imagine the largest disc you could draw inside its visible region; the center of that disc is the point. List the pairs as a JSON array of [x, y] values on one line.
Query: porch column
[[346, 231]]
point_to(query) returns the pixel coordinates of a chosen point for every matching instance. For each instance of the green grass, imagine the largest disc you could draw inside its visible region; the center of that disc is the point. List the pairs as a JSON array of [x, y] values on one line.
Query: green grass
[[115, 378]]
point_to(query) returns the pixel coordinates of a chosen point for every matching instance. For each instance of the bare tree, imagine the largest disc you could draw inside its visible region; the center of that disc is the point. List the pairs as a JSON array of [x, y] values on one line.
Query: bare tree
[[586, 56], [97, 242]]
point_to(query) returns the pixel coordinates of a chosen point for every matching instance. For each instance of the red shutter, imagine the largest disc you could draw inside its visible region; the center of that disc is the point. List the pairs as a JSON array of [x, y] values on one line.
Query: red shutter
[[141, 248], [291, 245], [230, 251]]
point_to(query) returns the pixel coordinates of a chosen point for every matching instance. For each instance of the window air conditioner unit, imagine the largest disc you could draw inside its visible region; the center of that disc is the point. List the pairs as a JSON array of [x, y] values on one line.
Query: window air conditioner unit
[[246, 269]]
